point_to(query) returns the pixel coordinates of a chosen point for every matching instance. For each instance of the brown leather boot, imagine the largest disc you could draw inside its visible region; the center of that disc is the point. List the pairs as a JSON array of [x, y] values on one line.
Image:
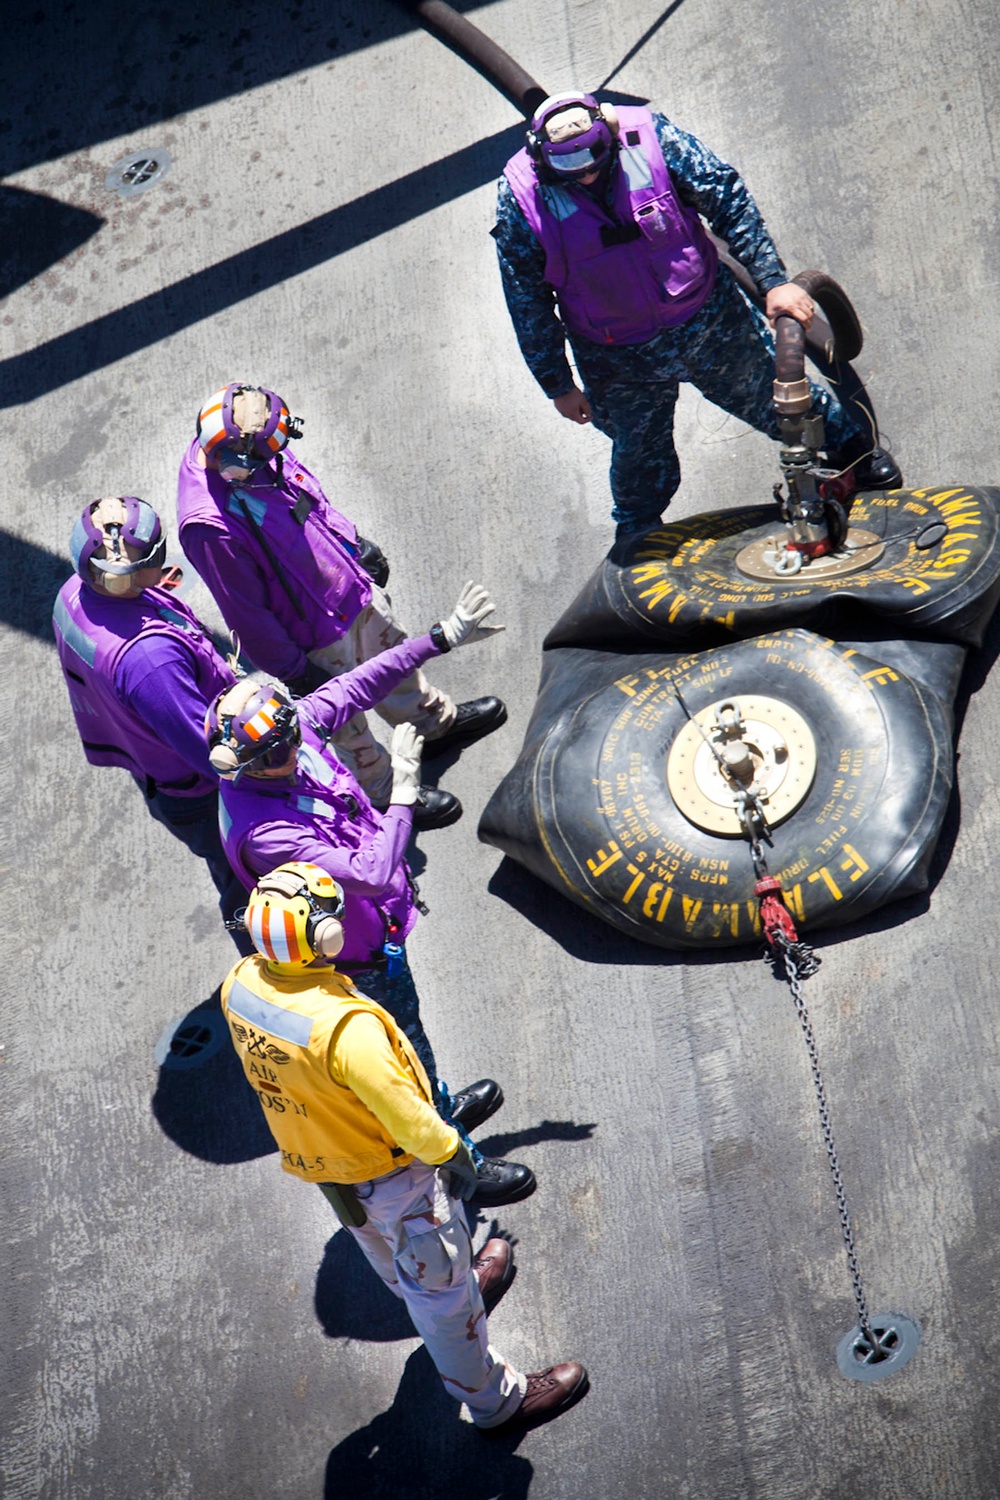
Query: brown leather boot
[[494, 1268], [549, 1393]]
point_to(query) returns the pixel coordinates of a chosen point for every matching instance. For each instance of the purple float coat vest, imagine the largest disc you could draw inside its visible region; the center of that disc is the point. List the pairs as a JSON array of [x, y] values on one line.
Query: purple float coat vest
[[624, 293], [93, 633], [325, 801], [308, 541]]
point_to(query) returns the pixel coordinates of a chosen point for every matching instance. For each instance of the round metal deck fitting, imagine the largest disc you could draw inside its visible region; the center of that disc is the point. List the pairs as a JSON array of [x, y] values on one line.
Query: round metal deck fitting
[[859, 550], [192, 1040], [138, 173], [898, 1338], [781, 746]]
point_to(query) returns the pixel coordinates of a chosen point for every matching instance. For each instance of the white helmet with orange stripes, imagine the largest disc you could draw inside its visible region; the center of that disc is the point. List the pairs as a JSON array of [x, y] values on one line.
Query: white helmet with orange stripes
[[293, 916], [242, 427], [252, 728]]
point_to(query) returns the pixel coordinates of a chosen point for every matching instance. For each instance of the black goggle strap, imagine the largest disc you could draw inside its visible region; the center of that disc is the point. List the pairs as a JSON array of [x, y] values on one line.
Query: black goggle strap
[[118, 565], [318, 911], [288, 733]]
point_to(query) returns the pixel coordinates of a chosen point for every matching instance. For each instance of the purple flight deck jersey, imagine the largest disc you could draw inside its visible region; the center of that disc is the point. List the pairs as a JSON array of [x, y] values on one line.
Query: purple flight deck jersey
[[625, 290], [321, 815], [140, 674], [220, 528]]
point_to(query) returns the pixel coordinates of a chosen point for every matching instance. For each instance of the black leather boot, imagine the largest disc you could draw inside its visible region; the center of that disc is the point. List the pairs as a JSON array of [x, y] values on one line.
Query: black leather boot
[[874, 467], [502, 1181], [473, 721], [435, 808], [474, 1104]]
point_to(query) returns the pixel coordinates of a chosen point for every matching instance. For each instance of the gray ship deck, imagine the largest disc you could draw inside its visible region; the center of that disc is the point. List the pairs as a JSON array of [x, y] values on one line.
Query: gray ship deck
[[178, 1318]]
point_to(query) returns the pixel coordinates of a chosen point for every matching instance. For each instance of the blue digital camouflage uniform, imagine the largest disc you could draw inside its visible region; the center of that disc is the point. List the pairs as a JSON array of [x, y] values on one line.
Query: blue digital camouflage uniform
[[726, 349]]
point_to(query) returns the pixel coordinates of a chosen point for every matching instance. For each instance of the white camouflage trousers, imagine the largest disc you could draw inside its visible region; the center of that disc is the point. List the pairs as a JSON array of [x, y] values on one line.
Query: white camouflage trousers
[[417, 1239]]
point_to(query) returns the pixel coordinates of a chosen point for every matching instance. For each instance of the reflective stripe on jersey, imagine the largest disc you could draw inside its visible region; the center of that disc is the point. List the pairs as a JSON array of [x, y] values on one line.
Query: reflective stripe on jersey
[[286, 1024]]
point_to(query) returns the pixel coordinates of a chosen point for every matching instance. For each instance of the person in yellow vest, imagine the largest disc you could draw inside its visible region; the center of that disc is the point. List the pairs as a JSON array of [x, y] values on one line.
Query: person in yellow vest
[[350, 1107]]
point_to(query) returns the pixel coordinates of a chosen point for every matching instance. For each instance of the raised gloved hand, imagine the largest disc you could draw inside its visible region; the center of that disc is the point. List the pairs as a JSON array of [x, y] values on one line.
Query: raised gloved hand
[[465, 623], [461, 1170], [405, 752]]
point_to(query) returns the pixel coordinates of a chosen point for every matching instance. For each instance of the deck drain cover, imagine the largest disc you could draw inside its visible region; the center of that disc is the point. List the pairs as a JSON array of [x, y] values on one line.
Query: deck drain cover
[[896, 1332], [137, 173], [193, 1039]]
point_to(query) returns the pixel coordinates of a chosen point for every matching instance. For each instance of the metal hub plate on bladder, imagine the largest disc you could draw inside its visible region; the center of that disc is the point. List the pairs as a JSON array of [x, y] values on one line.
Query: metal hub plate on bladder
[[138, 172], [860, 550], [779, 744], [687, 583], [898, 1338]]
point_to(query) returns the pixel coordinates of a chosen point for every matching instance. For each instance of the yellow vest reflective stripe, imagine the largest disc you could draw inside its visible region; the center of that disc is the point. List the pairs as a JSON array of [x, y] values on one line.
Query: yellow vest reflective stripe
[[282, 1028], [285, 1024]]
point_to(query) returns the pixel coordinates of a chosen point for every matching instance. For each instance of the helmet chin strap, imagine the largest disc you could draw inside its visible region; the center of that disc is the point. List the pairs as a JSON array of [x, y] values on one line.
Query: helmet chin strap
[[117, 583]]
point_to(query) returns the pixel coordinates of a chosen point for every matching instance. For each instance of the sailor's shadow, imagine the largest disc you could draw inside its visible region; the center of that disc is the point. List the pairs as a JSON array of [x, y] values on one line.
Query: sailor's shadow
[[352, 1302], [547, 1130], [202, 1100], [420, 1447], [30, 578], [36, 232]]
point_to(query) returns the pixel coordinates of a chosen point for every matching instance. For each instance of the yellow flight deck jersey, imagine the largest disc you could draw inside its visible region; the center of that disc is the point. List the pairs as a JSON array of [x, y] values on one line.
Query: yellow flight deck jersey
[[343, 1091]]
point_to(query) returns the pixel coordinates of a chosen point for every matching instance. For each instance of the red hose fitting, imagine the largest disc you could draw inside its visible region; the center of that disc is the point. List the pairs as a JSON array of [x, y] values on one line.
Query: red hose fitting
[[840, 487], [775, 917], [810, 549]]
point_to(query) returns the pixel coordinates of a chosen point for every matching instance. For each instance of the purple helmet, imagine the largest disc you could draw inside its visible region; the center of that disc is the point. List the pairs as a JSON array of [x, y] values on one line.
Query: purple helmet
[[241, 427], [574, 155], [128, 533], [250, 724]]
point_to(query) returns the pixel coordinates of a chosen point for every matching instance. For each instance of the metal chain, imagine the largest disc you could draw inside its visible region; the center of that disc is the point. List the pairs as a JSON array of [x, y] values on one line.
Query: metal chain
[[750, 812], [795, 971], [799, 962]]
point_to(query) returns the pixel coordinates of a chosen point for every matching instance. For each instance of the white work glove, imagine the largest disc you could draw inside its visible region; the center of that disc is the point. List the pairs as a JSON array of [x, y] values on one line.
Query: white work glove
[[465, 623], [405, 752]]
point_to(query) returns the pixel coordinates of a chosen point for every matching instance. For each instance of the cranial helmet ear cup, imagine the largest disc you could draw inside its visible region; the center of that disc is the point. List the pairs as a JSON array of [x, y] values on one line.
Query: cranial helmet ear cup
[[609, 115], [223, 759], [327, 937], [223, 756]]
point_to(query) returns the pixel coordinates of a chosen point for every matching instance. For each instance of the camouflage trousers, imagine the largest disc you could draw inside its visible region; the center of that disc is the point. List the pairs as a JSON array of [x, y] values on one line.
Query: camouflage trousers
[[727, 351], [417, 1239], [413, 701]]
